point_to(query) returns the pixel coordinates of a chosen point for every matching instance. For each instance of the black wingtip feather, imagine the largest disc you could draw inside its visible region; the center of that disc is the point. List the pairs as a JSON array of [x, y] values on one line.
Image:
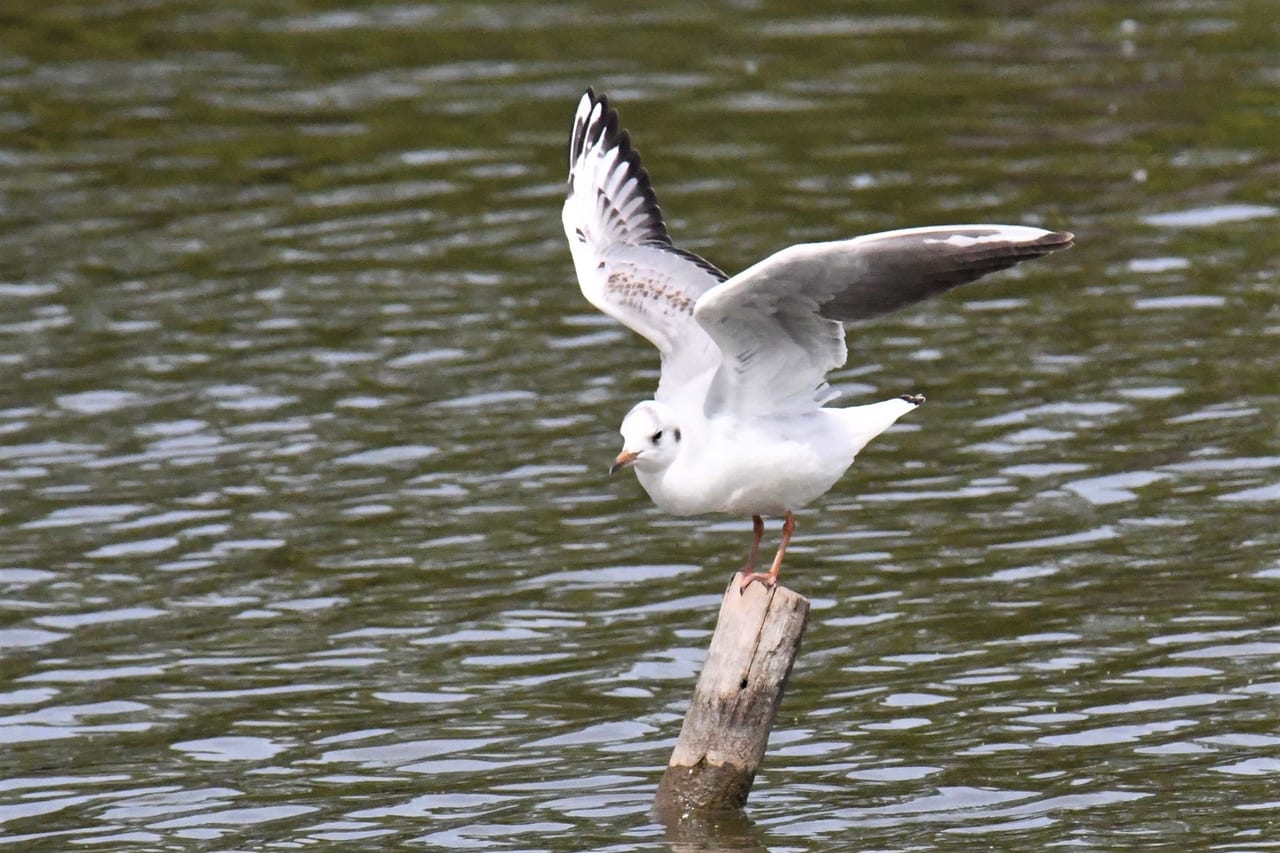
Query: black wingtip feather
[[607, 131]]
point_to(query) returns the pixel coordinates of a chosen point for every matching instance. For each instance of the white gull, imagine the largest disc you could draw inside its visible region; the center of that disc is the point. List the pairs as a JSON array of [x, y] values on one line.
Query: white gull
[[738, 424]]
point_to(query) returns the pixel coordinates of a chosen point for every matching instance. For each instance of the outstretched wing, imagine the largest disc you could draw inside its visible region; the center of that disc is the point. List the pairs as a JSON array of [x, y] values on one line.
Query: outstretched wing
[[779, 324], [626, 263]]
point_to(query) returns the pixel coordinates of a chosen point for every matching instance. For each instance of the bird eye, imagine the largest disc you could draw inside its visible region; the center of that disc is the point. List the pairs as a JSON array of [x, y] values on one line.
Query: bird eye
[[677, 435], [656, 437]]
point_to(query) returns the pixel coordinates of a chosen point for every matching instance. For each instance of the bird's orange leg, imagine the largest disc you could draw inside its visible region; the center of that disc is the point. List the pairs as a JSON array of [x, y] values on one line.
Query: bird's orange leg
[[757, 526], [770, 578]]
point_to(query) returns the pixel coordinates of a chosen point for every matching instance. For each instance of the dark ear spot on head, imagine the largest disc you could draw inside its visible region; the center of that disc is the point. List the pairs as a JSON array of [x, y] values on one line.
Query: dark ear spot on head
[[677, 434]]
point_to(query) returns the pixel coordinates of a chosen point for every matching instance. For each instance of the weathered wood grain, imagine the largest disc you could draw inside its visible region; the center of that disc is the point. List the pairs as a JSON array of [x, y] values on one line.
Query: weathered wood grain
[[735, 702]]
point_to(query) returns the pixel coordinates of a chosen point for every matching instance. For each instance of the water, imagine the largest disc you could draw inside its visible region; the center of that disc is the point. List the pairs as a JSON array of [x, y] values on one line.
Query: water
[[306, 536]]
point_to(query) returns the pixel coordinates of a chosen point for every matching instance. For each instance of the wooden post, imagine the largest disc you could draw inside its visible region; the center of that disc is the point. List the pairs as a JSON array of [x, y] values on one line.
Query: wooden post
[[726, 728]]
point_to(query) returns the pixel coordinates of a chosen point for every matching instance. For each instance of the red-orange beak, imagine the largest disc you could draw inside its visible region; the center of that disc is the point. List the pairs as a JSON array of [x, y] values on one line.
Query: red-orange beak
[[625, 459]]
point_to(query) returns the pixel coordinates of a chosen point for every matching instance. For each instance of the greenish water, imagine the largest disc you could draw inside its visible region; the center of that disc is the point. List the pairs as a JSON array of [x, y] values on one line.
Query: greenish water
[[305, 533]]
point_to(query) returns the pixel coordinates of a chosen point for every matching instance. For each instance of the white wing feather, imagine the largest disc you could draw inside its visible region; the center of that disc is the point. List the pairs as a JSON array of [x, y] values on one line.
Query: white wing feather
[[773, 332], [626, 263]]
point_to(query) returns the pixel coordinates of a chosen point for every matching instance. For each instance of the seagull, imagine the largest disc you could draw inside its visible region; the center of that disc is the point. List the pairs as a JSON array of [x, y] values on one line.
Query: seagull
[[739, 422]]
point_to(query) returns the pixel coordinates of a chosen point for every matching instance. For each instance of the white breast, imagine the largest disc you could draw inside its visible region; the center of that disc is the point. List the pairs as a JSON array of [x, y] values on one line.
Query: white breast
[[737, 467]]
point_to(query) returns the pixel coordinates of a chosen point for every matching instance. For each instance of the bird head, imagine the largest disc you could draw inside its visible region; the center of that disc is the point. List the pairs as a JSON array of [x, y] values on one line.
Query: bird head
[[650, 438]]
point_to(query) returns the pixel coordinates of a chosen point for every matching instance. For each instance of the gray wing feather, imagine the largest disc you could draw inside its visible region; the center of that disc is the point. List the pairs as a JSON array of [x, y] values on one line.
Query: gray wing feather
[[779, 324]]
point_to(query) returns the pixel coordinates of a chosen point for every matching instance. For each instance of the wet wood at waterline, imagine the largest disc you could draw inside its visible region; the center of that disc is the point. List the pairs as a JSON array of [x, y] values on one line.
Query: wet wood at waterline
[[735, 702]]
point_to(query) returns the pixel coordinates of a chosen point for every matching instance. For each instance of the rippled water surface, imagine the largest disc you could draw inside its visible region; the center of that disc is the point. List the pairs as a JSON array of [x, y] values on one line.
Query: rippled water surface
[[305, 533]]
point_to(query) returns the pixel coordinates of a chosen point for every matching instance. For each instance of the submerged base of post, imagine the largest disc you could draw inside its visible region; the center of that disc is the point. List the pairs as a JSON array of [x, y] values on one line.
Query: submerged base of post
[[725, 731]]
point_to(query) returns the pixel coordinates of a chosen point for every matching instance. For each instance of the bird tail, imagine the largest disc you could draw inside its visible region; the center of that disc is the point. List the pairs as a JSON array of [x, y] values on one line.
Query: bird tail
[[866, 422]]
